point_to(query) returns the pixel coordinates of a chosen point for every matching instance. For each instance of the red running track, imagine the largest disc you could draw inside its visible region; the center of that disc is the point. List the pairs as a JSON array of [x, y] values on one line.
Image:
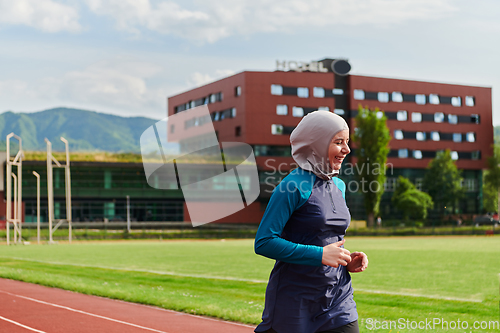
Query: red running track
[[26, 308]]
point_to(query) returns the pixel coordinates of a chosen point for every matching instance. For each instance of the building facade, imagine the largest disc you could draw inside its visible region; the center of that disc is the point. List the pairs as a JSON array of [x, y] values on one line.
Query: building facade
[[263, 108]]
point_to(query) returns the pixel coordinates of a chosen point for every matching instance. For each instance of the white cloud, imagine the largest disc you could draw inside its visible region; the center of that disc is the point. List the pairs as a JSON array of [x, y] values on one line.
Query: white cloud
[[46, 15], [198, 79], [118, 85], [213, 20]]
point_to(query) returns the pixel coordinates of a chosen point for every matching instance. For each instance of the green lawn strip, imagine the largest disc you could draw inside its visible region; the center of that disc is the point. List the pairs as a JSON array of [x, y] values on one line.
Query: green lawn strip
[[228, 300], [407, 312]]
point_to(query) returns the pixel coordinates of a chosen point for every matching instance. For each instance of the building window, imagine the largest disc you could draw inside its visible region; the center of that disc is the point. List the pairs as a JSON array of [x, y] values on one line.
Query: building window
[[318, 92], [303, 92], [476, 154], [215, 116], [213, 98], [383, 97], [456, 101], [398, 135], [359, 94], [438, 117], [469, 101], [380, 114], [416, 117], [433, 99], [276, 129], [435, 136], [233, 112], [297, 112], [397, 97], [454, 155], [420, 136], [281, 110], [470, 185], [390, 184], [453, 119], [474, 118], [470, 137], [417, 154], [403, 153], [338, 91], [192, 104], [340, 112], [419, 183], [237, 91], [457, 137], [402, 115], [172, 128], [237, 131], [323, 108], [276, 89], [420, 99]]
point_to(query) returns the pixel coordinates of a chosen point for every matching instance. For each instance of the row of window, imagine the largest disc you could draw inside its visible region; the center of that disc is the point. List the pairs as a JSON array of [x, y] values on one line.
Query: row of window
[[402, 115], [419, 154], [224, 114], [435, 136], [297, 111], [438, 117], [421, 99], [214, 116], [303, 92], [212, 98]]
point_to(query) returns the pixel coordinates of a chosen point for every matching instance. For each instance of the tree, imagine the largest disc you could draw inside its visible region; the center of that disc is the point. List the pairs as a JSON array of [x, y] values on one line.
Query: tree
[[491, 183], [411, 201], [442, 180], [372, 147]]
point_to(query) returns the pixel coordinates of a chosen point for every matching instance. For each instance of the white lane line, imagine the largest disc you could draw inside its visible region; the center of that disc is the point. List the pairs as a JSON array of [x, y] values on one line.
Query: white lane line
[[199, 276], [23, 326], [417, 295], [242, 280], [82, 312]]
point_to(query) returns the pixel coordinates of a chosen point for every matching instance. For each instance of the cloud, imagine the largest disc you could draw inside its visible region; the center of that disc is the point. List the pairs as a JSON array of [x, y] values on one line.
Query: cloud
[[46, 15], [199, 79], [119, 85], [214, 20]]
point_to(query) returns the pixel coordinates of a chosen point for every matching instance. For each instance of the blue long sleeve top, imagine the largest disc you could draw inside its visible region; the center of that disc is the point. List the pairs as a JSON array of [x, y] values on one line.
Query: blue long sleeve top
[[293, 192]]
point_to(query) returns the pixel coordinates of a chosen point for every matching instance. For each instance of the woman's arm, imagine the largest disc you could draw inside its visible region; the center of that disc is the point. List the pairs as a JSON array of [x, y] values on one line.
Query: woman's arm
[[285, 199]]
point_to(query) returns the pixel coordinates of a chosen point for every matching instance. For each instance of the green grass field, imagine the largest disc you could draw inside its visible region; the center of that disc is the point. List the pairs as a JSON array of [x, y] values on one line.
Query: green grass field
[[412, 278]]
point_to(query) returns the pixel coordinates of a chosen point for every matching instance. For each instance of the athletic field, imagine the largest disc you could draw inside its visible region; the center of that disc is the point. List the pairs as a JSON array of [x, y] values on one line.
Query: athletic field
[[431, 282]]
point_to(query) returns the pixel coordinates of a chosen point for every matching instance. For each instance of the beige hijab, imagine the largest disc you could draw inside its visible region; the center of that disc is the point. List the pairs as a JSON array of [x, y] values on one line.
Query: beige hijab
[[310, 141]]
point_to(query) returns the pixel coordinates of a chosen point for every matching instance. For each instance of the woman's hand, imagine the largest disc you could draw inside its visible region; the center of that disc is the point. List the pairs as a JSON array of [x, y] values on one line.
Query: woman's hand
[[334, 255], [359, 262]]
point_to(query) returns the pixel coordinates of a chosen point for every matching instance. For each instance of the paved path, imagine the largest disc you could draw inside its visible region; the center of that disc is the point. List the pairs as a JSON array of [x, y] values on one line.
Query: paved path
[[26, 307]]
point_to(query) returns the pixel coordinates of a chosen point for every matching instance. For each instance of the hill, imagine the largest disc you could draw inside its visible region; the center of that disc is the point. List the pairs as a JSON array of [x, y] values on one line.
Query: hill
[[84, 130]]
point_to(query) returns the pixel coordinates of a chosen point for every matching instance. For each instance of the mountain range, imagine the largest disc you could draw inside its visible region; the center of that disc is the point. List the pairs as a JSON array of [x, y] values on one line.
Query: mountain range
[[84, 130]]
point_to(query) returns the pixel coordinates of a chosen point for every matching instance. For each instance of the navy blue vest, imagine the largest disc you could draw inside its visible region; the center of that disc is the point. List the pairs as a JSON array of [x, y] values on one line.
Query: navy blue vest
[[306, 298]]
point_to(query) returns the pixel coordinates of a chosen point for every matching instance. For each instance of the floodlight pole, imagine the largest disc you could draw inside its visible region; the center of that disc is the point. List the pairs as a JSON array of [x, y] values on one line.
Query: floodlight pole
[[128, 214], [50, 188], [37, 206], [17, 161], [68, 189], [15, 207]]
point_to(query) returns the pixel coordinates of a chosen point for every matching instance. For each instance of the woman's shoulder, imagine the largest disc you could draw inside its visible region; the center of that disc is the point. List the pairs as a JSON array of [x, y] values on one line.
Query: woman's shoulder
[[299, 179]]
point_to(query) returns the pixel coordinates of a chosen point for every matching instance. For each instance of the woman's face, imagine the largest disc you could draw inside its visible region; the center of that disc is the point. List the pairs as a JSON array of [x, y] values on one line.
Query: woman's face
[[338, 149]]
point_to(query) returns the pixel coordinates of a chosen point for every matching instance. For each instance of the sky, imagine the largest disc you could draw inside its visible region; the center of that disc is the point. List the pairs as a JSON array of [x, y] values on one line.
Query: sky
[[125, 57]]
